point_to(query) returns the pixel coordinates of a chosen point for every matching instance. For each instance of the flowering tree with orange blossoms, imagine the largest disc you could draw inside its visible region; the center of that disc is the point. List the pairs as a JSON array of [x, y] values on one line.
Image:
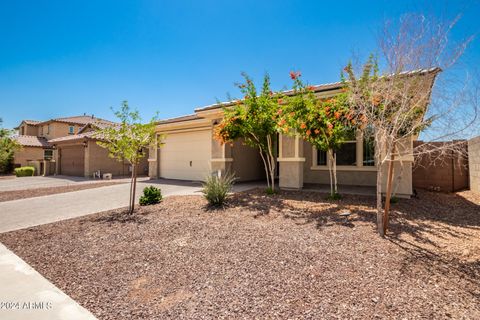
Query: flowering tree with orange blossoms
[[253, 120], [325, 123]]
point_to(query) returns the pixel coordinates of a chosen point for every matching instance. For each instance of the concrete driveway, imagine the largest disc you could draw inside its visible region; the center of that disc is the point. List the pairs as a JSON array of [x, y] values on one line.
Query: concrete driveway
[[49, 181], [25, 213]]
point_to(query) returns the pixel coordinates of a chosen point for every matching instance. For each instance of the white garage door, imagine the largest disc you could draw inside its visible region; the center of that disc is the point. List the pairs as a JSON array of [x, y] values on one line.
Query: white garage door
[[186, 155]]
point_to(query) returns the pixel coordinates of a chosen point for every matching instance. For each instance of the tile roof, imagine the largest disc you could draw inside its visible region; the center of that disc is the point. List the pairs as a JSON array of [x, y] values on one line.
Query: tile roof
[[32, 122], [180, 119], [32, 141], [73, 137], [84, 119], [319, 88]]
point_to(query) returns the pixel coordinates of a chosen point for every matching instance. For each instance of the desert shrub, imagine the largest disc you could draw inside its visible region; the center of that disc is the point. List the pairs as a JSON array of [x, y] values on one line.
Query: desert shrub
[[334, 196], [216, 189], [151, 195], [270, 191], [24, 171]]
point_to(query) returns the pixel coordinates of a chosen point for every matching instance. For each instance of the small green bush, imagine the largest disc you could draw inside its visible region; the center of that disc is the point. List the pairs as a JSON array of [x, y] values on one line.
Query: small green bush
[[151, 195], [335, 196], [216, 189], [269, 191], [24, 171], [394, 200]]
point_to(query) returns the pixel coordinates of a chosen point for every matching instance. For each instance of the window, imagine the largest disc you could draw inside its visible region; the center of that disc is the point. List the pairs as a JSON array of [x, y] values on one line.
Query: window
[[321, 158], [48, 154], [48, 128], [22, 130], [368, 152], [347, 153], [71, 130]]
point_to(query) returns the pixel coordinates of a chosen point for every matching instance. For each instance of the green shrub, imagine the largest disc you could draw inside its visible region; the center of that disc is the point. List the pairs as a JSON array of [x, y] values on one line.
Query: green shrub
[[24, 171], [394, 200], [216, 189], [270, 191], [151, 195], [335, 196]]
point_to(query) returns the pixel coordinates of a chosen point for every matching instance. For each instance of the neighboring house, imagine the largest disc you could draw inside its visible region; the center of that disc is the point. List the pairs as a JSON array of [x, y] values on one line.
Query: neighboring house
[[65, 146], [80, 155], [191, 153]]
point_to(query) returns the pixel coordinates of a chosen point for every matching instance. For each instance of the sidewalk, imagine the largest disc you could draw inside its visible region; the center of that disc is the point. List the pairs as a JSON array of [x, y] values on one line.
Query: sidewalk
[[25, 294]]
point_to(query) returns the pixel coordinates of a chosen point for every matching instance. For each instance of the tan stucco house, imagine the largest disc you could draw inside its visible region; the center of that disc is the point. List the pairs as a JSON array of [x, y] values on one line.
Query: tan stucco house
[[191, 153], [65, 146], [80, 155]]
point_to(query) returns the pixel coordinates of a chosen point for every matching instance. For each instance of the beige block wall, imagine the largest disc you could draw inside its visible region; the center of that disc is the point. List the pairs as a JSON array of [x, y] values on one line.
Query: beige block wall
[[474, 163], [26, 154]]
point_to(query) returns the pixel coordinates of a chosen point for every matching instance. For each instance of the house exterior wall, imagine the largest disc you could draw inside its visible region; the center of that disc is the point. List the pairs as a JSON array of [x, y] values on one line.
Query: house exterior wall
[[364, 176], [247, 163], [298, 166], [96, 158], [55, 130], [28, 130], [26, 154], [474, 163]]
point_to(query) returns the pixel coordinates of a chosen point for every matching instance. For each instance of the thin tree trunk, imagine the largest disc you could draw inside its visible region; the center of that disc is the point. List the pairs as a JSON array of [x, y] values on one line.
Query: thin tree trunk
[[330, 160], [134, 187], [271, 162], [266, 167], [130, 210], [379, 201], [335, 172], [389, 189]]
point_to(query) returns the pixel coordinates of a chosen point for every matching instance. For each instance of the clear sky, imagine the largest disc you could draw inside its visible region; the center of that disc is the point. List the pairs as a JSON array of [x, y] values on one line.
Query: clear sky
[[62, 58]]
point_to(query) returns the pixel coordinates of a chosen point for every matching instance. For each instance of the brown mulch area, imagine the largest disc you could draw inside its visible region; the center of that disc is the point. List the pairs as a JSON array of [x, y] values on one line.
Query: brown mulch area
[[284, 256], [37, 192]]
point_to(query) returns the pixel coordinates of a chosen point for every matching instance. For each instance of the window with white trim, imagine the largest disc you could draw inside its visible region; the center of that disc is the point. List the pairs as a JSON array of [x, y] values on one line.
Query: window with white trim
[[71, 130]]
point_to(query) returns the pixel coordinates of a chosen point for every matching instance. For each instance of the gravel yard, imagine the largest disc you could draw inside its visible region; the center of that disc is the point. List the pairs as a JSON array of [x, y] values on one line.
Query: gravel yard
[[284, 256], [38, 192]]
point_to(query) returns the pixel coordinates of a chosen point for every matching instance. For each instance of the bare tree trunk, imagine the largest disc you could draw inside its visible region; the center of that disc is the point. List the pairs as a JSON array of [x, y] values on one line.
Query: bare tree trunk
[[130, 210], [335, 172], [134, 186], [271, 161], [379, 201], [266, 167], [389, 189], [330, 161]]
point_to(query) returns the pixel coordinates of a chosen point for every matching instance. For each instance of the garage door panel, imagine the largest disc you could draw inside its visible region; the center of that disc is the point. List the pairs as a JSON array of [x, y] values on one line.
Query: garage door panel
[[72, 162], [186, 155]]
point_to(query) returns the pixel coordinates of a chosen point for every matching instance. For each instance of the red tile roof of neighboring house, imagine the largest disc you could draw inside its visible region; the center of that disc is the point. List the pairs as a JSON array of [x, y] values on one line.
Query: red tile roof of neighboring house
[[84, 119], [73, 137], [32, 141], [32, 122]]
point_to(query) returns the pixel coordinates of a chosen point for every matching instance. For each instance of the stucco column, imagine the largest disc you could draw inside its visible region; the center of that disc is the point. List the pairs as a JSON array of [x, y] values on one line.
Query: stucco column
[[154, 161], [221, 159], [291, 162]]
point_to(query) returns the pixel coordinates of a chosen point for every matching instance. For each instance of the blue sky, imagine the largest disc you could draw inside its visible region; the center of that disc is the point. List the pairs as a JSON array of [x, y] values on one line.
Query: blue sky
[[62, 58]]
